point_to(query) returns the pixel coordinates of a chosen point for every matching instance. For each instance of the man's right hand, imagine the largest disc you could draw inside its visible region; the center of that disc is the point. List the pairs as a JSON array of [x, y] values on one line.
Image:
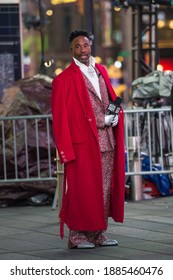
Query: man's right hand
[[109, 120]]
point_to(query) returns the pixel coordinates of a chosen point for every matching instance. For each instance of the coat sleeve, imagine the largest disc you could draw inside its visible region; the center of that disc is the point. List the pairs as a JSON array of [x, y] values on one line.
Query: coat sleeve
[[60, 122]]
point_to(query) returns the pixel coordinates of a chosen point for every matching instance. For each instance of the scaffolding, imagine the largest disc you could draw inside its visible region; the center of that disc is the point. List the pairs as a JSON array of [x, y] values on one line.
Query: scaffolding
[[145, 55]]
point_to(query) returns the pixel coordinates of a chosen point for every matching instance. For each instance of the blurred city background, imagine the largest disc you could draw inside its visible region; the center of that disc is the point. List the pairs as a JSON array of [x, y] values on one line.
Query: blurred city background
[[133, 39], [126, 35]]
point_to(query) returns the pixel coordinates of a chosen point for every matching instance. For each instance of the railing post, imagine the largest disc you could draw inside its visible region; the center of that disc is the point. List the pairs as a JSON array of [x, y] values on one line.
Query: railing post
[[136, 191]]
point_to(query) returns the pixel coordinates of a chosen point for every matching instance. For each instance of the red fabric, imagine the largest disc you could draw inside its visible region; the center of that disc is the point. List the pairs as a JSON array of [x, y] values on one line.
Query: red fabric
[[78, 148]]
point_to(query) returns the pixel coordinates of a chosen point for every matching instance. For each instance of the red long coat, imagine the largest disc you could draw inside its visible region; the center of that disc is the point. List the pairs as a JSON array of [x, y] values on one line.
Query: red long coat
[[76, 139]]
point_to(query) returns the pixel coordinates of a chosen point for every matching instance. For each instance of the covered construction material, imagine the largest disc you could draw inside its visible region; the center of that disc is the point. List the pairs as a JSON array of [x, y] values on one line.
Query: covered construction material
[[27, 147]]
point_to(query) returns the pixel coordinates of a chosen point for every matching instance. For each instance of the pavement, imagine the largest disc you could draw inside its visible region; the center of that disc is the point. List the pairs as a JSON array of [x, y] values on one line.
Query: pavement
[[32, 233]]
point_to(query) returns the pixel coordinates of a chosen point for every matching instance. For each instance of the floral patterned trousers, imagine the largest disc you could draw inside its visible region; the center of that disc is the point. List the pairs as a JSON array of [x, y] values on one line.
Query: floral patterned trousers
[[96, 237]]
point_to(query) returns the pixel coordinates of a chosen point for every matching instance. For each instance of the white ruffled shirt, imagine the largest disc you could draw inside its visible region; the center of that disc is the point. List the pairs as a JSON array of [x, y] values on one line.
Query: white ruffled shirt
[[90, 73]]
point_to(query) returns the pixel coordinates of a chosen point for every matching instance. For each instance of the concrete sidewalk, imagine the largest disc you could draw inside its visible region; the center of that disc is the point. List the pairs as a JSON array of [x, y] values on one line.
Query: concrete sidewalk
[[32, 233]]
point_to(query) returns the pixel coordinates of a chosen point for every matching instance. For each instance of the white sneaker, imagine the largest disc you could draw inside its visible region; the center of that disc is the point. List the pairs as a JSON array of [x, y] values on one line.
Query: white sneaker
[[109, 242]]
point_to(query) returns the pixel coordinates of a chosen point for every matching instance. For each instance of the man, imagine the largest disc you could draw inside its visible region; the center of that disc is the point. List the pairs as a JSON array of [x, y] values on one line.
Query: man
[[90, 144]]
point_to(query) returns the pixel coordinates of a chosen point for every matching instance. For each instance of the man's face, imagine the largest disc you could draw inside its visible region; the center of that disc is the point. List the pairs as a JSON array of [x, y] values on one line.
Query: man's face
[[81, 49]]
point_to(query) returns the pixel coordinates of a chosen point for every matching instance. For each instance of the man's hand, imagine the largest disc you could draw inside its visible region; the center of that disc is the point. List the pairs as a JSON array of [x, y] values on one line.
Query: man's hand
[[108, 120], [111, 120], [115, 120]]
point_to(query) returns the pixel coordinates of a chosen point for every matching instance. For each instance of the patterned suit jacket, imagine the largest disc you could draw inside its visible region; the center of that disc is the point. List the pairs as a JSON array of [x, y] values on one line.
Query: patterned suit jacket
[[105, 134]]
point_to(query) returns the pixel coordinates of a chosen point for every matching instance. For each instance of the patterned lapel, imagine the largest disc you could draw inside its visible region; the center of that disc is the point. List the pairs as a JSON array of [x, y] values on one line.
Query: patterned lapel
[[103, 89], [90, 87]]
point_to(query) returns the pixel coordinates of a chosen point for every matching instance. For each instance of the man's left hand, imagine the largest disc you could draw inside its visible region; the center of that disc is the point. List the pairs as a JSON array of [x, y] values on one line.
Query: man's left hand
[[115, 120]]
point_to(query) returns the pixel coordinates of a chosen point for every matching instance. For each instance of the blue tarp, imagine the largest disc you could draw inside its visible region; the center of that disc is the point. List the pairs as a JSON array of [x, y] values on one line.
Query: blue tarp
[[162, 181]]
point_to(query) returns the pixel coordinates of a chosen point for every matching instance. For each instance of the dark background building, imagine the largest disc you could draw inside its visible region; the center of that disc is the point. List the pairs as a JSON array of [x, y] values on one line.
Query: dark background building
[[46, 24]]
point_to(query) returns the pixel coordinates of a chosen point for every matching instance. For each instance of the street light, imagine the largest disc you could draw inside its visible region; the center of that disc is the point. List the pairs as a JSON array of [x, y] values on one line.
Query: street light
[[58, 2], [127, 3]]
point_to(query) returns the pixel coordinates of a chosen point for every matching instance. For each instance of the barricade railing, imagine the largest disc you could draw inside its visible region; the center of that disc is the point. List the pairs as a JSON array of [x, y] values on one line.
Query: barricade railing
[[28, 152], [149, 132], [149, 149], [26, 149]]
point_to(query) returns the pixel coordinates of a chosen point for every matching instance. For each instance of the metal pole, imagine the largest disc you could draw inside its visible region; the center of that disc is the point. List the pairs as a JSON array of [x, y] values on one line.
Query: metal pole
[[42, 23], [89, 19]]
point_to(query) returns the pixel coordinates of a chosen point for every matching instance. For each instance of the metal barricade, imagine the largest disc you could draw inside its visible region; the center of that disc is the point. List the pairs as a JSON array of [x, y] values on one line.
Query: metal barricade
[[19, 137], [147, 132], [27, 152]]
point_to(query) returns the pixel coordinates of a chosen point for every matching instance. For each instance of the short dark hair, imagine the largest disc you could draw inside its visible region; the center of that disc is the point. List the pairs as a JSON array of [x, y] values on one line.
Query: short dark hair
[[77, 33]]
